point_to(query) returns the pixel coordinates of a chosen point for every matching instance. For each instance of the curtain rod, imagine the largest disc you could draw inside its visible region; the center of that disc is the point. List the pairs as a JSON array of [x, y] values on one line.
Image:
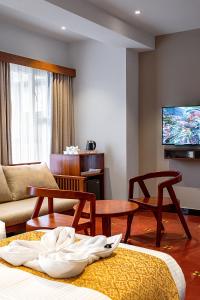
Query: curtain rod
[[37, 64]]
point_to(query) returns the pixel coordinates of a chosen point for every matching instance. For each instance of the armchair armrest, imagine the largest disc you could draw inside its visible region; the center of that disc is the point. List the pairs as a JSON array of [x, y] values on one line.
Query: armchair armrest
[[56, 193], [65, 194], [177, 177], [168, 185], [73, 183], [140, 181]]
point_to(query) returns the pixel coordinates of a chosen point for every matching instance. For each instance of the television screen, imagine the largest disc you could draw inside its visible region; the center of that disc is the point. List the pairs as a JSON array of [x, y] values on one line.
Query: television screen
[[181, 125]]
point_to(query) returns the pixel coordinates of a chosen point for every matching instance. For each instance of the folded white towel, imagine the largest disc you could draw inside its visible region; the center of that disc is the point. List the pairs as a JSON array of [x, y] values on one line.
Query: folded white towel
[[58, 254]]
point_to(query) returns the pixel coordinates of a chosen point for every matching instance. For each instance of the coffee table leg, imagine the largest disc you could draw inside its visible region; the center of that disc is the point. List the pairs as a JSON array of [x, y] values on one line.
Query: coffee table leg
[[128, 229], [106, 225]]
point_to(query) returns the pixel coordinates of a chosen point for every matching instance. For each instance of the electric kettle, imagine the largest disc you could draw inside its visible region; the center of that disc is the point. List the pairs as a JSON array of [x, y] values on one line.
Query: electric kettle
[[91, 145]]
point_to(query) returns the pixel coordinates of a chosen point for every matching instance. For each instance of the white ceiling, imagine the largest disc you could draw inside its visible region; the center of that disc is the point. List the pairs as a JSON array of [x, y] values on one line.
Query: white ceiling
[[82, 19], [158, 16], [111, 21], [38, 25]]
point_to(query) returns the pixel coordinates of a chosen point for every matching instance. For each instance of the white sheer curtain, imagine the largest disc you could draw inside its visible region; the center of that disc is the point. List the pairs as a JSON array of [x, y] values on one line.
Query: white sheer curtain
[[31, 103]]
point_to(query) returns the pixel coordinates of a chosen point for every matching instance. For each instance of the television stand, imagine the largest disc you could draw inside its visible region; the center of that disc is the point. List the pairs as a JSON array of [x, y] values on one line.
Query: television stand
[[182, 153]]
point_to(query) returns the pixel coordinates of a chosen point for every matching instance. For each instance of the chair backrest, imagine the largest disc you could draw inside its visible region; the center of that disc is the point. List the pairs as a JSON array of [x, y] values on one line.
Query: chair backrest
[[176, 177], [72, 183], [65, 194]]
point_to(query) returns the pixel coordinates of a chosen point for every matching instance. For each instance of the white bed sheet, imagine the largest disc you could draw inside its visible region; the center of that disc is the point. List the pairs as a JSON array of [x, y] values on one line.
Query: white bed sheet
[[19, 285]]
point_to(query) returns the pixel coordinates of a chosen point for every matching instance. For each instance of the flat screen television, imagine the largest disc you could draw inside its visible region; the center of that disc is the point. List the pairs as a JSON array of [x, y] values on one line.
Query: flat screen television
[[181, 125]]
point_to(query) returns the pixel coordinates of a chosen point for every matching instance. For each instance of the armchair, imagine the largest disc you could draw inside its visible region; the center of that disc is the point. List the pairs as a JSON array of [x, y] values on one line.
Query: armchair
[[53, 220], [156, 204]]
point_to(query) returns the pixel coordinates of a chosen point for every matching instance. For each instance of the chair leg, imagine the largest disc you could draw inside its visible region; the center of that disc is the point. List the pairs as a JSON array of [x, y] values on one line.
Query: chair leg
[[86, 231], [182, 219], [159, 227], [128, 229], [92, 230], [155, 215]]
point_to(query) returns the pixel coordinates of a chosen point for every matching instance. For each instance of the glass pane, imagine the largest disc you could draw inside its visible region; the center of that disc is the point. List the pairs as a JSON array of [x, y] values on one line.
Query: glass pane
[[31, 114]]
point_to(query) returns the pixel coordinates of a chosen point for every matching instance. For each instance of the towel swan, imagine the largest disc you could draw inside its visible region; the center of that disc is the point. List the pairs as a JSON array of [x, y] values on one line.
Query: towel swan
[[58, 253]]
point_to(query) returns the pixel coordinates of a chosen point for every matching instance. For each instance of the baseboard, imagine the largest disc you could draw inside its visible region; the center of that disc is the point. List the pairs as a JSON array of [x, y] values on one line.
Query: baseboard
[[190, 211], [186, 211]]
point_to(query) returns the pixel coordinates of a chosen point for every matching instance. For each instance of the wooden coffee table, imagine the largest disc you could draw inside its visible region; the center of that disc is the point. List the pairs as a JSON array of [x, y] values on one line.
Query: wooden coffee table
[[106, 209]]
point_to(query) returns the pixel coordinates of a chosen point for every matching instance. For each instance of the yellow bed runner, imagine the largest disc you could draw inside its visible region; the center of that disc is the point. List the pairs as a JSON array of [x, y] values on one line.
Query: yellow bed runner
[[126, 275]]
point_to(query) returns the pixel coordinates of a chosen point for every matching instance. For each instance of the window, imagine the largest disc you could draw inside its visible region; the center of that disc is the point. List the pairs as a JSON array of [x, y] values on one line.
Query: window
[[31, 114]]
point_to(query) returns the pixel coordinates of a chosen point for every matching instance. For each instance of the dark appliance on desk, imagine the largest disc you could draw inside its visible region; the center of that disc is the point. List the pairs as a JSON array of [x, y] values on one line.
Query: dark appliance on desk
[[91, 145], [93, 186]]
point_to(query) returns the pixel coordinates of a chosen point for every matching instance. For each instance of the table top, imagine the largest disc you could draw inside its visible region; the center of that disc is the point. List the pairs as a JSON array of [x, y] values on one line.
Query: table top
[[113, 208]]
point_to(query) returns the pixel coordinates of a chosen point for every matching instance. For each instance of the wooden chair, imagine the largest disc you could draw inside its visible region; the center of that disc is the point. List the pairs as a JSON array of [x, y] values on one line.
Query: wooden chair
[[53, 220], [156, 204]]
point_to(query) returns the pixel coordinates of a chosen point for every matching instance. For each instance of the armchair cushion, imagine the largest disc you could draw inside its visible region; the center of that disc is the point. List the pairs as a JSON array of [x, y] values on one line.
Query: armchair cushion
[[5, 194], [17, 212], [19, 177]]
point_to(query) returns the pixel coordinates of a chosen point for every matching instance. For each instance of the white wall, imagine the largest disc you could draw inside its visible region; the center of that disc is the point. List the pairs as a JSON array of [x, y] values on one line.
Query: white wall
[[22, 42], [101, 106], [132, 138], [105, 94], [169, 76]]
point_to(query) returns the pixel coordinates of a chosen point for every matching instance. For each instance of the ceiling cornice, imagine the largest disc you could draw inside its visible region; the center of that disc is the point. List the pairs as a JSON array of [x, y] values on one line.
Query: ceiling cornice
[[134, 37]]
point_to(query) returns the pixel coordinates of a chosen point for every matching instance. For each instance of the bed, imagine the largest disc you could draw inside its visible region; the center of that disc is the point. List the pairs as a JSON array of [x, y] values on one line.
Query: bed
[[131, 273]]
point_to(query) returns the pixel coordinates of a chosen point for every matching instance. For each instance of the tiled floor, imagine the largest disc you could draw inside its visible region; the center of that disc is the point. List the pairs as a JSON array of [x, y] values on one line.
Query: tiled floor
[[186, 253]]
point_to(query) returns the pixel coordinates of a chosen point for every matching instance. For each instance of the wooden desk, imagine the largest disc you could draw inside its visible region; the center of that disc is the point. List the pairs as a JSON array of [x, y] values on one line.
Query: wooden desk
[[106, 209], [75, 164]]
